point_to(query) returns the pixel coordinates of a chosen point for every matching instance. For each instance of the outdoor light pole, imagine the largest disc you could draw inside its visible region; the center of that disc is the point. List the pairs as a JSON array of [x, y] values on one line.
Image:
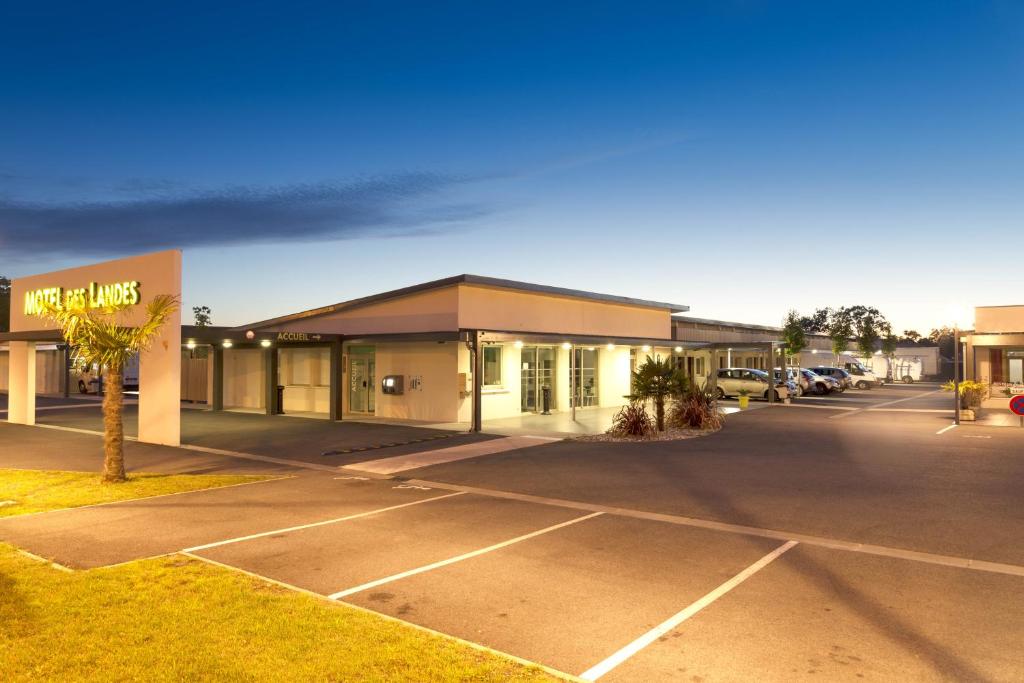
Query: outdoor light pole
[[956, 374]]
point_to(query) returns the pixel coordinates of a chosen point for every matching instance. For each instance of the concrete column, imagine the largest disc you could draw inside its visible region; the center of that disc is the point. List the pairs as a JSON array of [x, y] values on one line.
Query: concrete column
[[65, 375], [217, 380], [21, 385], [336, 392], [270, 383], [771, 372], [712, 381], [160, 380], [478, 378]]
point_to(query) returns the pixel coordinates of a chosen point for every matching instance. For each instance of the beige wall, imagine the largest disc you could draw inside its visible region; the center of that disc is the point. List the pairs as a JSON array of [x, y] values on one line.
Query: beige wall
[[243, 379], [613, 378], [996, 319], [160, 367], [432, 311], [490, 308], [435, 364]]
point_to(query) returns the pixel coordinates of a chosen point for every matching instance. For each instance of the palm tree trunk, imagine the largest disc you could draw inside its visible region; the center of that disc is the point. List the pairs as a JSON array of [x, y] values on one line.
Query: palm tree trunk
[[113, 427], [659, 411]]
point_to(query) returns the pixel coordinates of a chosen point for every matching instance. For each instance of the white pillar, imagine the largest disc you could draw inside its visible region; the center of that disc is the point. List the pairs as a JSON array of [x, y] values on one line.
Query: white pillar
[[160, 378], [21, 386]]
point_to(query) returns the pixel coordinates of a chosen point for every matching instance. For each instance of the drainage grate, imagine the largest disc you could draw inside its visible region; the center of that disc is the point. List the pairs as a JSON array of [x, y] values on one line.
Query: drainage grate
[[388, 445]]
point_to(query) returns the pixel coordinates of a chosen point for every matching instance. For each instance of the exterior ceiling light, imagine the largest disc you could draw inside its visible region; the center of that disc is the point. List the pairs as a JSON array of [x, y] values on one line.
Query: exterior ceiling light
[[645, 348], [250, 334], [191, 344], [590, 348], [518, 344], [610, 347], [227, 344], [566, 345], [679, 349], [265, 343]]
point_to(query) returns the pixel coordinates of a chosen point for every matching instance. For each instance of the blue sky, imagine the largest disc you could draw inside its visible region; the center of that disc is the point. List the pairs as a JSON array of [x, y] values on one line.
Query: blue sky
[[306, 153]]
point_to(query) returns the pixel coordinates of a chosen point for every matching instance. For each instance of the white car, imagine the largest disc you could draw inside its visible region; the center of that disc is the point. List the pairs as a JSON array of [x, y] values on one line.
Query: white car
[[731, 381]]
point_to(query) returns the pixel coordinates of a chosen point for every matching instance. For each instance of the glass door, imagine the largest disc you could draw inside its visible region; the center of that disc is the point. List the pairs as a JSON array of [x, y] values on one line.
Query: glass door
[[538, 376], [361, 384]]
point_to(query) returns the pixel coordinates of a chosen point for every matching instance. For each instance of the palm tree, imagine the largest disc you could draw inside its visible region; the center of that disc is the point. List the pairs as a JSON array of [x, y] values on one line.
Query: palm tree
[[657, 379], [100, 336]]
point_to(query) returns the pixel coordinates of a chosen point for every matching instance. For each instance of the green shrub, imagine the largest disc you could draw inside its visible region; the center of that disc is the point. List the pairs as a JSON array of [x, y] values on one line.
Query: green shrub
[[632, 420]]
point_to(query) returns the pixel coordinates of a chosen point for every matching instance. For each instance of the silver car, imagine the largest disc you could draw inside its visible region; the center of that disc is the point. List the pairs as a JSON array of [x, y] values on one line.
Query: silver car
[[731, 381]]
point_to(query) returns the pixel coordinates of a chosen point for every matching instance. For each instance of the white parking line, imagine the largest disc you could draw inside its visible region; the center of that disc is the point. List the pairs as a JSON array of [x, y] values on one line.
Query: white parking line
[[459, 558], [598, 670], [946, 429], [887, 403], [316, 524]]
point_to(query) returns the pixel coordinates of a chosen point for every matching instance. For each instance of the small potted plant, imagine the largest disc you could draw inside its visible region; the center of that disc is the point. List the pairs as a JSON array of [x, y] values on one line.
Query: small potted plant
[[744, 398]]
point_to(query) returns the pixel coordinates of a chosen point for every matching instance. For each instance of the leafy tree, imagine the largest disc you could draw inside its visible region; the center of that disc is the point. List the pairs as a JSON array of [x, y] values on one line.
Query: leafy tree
[[5, 304], [793, 333], [818, 322], [889, 344], [202, 315], [839, 330], [943, 337], [100, 335], [912, 336], [657, 379]]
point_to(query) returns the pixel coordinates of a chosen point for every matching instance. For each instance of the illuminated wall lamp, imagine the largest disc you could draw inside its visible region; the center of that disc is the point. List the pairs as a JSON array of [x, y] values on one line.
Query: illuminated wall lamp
[[190, 345], [518, 344], [265, 343], [227, 344]]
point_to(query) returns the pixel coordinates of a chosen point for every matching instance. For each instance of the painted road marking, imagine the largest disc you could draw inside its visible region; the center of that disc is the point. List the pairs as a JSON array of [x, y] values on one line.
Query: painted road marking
[[459, 558], [380, 615], [354, 478], [476, 449], [887, 403], [806, 539], [299, 527], [600, 669], [946, 429], [974, 436], [412, 486]]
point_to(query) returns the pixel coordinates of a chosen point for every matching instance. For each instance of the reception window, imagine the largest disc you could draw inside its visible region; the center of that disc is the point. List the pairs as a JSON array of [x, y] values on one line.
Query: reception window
[[492, 366]]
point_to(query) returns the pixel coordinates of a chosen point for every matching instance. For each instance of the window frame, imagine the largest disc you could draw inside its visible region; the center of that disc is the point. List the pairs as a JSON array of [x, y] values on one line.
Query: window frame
[[483, 379]]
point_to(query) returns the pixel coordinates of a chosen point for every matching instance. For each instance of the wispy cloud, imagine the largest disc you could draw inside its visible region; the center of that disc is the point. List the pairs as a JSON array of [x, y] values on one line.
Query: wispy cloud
[[400, 205]]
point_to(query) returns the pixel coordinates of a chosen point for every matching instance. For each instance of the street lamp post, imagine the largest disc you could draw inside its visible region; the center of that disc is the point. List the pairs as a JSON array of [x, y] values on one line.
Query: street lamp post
[[956, 374]]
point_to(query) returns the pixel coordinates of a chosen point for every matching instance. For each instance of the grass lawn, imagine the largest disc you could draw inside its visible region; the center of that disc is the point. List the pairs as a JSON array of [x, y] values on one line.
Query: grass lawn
[[175, 618], [38, 491]]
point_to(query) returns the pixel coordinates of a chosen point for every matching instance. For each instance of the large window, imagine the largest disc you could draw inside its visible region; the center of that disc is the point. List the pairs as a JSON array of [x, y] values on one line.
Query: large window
[[585, 368], [492, 366]]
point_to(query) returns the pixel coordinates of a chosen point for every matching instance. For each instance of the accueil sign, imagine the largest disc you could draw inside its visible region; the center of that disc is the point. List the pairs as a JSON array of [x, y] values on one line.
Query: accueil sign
[[93, 296]]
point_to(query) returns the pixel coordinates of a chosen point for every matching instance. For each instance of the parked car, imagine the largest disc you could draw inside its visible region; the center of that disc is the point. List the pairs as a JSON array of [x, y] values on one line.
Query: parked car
[[808, 382], [844, 378], [733, 380]]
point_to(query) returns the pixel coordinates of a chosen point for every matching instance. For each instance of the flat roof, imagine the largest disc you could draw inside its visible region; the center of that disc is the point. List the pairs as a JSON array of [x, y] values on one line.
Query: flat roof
[[468, 279]]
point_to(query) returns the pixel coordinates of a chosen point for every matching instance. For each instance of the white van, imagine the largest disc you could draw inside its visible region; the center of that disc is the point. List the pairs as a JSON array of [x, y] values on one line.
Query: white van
[[862, 377]]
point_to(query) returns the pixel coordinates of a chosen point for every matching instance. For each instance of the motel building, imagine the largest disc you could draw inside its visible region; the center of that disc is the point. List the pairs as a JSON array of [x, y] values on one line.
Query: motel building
[[465, 352], [994, 350]]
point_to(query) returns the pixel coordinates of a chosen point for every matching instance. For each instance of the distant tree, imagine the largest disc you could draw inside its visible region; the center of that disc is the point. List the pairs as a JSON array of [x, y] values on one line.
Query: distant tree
[[5, 304], [889, 344], [793, 333], [202, 315], [839, 330], [911, 336], [817, 322], [943, 338], [868, 325]]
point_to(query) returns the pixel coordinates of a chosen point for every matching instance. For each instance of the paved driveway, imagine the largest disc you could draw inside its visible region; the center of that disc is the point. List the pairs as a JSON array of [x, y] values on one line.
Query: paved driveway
[[882, 550]]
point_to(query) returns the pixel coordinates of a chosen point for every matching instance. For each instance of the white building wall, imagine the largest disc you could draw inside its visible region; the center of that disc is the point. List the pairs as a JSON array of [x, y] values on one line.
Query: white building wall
[[613, 378]]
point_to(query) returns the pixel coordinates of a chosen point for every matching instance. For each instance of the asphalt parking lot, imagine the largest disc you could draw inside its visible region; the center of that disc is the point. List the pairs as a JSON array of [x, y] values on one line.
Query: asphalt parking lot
[[792, 545]]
